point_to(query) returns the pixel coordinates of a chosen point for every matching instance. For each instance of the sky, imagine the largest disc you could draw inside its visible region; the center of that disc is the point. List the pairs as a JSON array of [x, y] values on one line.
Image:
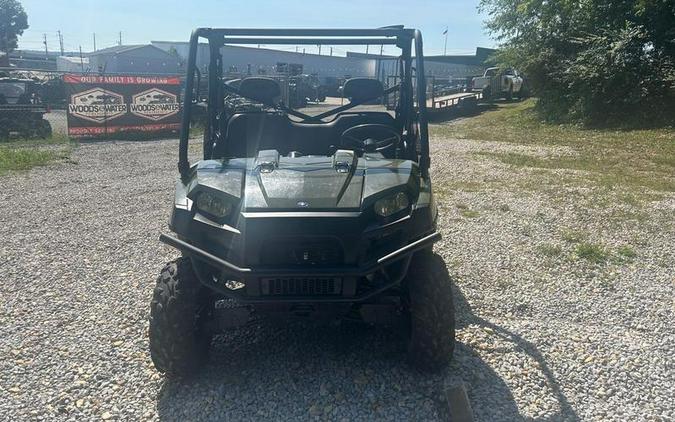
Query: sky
[[142, 21]]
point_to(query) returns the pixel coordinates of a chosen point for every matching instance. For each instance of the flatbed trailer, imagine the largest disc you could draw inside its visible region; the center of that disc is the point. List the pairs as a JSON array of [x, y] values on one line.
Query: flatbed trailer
[[458, 100], [443, 95]]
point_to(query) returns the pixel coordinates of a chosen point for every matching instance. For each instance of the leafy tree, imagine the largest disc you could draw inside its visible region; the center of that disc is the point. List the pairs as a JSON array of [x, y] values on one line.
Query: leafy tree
[[598, 61], [13, 21]]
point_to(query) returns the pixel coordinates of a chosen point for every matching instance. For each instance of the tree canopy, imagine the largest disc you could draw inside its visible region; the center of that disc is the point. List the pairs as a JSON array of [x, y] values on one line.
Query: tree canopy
[[13, 21], [597, 61]]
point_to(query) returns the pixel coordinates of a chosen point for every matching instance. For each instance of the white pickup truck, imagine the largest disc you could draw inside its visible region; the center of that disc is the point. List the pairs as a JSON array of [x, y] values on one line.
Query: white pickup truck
[[496, 83]]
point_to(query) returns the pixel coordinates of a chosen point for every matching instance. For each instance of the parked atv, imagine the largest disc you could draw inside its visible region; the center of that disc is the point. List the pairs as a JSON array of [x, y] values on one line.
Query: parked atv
[[21, 110], [322, 217]]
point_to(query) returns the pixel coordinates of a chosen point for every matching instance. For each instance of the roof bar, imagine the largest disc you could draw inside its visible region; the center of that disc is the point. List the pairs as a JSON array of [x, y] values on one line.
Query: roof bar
[[311, 41], [344, 32]]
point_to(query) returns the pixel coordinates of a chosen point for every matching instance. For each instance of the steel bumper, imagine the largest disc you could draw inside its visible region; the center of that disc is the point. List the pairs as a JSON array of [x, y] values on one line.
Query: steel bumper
[[236, 271]]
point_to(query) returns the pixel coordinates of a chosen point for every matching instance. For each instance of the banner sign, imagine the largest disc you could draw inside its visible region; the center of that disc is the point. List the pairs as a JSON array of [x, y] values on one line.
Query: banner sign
[[108, 104]]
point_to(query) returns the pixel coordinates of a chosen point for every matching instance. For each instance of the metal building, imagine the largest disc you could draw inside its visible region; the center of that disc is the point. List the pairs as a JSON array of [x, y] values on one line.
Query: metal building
[[79, 64], [134, 59], [248, 60]]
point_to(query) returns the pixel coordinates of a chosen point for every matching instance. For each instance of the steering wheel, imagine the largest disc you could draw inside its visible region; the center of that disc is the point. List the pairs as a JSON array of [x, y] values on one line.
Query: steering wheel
[[370, 137]]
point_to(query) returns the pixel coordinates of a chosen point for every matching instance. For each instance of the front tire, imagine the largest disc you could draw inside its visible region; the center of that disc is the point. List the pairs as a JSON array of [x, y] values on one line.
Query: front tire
[[43, 129], [180, 308], [509, 93], [430, 313]]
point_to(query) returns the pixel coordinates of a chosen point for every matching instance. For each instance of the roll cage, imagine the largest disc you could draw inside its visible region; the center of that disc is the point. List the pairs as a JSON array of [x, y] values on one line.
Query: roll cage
[[411, 112]]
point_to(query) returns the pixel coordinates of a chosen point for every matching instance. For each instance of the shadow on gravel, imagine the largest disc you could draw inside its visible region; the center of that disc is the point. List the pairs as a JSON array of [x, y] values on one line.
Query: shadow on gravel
[[277, 371], [300, 370], [485, 411]]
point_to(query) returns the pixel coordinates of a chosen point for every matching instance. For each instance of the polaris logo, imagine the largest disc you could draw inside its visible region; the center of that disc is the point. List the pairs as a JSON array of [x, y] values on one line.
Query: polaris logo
[[154, 104], [97, 105]]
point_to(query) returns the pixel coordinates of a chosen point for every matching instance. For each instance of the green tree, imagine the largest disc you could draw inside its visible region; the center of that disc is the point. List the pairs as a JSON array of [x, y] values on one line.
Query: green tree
[[13, 21], [598, 61]]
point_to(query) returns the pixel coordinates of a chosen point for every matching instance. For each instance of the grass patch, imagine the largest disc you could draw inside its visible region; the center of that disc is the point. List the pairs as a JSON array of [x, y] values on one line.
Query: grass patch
[[549, 250], [470, 213], [26, 154], [626, 161], [592, 252], [626, 252]]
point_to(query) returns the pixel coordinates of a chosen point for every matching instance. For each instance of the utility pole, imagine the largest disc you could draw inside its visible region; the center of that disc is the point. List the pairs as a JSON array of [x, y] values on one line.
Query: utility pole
[[381, 49], [331, 51], [319, 49], [60, 41], [445, 47], [94, 41], [120, 41], [44, 38], [81, 60], [367, 48]]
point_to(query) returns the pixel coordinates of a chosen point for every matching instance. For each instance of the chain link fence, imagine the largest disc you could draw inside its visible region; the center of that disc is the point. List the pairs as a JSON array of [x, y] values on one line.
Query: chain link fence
[[32, 104]]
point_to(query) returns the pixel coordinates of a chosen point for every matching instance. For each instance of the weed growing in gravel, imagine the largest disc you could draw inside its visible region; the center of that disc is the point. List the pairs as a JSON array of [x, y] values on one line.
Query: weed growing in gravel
[[470, 213], [549, 250], [25, 154], [626, 251], [26, 158], [592, 252]]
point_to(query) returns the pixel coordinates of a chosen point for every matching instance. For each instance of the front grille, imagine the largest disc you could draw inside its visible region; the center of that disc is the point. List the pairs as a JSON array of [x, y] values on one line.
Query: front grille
[[301, 252], [301, 286]]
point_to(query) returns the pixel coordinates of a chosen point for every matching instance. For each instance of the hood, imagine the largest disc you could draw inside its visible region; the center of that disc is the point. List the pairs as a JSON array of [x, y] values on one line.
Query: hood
[[305, 182], [339, 182]]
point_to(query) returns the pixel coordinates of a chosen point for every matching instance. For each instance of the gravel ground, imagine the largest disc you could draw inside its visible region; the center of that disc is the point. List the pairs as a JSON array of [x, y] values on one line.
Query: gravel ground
[[542, 335]]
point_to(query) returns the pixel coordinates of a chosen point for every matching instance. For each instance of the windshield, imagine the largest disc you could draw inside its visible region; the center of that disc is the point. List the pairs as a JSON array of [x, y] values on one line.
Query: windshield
[[346, 88], [311, 95], [11, 91], [321, 106]]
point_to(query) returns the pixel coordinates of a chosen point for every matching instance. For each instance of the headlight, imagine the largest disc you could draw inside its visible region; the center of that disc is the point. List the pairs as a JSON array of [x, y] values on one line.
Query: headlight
[[213, 205], [391, 205]]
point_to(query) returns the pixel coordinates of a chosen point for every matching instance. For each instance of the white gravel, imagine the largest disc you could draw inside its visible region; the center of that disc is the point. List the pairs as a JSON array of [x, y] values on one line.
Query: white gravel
[[540, 337]]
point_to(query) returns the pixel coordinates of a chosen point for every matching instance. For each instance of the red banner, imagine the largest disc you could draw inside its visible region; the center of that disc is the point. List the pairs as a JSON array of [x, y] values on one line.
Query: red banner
[[105, 104]]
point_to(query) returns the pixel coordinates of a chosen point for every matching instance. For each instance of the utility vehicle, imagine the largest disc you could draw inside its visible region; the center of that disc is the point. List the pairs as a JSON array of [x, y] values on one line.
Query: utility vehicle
[[21, 110], [324, 216]]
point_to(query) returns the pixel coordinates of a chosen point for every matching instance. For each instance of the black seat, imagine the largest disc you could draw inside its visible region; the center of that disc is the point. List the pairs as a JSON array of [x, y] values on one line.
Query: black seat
[[266, 90], [362, 89], [248, 133]]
